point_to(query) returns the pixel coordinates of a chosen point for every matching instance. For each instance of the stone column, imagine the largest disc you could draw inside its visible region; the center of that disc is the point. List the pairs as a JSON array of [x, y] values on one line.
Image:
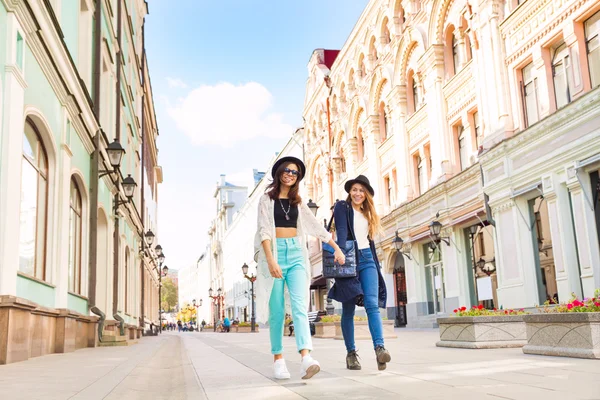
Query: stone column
[[494, 70], [371, 136], [398, 107], [433, 63], [564, 246], [586, 234], [12, 155], [64, 197]]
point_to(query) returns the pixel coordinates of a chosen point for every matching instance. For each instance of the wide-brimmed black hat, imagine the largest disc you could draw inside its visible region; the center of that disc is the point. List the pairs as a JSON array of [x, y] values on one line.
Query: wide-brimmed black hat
[[363, 180], [290, 159]]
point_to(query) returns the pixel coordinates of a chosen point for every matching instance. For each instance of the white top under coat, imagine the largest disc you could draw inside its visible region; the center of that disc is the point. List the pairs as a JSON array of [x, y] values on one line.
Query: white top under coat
[[361, 230]]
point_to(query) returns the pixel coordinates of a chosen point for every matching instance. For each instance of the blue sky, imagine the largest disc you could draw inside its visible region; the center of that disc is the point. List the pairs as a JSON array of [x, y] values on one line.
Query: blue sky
[[229, 84]]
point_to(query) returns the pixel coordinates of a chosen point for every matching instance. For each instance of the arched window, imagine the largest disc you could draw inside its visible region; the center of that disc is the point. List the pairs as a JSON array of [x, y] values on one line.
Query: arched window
[[34, 204], [75, 231], [414, 98], [455, 54], [361, 145], [383, 123]]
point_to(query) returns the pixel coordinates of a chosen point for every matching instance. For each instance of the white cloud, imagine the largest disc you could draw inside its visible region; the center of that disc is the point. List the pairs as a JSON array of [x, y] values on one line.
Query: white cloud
[[176, 83], [225, 114], [242, 178]]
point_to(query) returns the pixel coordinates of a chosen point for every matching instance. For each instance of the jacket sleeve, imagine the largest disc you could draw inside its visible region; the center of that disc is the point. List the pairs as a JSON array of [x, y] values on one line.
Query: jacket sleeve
[[312, 226], [340, 217], [264, 228]]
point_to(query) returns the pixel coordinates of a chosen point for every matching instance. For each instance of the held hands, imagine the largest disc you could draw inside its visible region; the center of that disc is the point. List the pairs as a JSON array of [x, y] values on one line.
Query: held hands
[[275, 269], [339, 257]]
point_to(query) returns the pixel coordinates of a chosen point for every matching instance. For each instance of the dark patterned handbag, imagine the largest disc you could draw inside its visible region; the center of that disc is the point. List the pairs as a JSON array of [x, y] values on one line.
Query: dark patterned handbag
[[331, 269]]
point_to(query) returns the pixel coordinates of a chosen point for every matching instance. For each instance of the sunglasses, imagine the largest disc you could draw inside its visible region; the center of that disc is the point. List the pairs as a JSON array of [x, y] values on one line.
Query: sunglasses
[[291, 171]]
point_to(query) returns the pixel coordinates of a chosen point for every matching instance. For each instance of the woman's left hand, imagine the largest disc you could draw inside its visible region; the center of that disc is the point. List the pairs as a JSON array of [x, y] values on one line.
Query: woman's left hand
[[339, 257]]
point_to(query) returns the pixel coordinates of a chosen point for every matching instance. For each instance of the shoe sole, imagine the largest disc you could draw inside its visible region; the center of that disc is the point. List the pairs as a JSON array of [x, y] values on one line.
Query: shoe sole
[[357, 368], [282, 378], [312, 371], [381, 366], [384, 358]]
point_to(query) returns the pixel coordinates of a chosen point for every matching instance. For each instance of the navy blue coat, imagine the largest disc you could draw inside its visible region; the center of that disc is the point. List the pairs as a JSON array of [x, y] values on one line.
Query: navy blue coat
[[347, 289]]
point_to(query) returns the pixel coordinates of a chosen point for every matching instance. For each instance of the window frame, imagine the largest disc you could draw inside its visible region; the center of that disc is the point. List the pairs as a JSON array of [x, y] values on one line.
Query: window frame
[[525, 82], [75, 287], [561, 56], [595, 36], [41, 249]]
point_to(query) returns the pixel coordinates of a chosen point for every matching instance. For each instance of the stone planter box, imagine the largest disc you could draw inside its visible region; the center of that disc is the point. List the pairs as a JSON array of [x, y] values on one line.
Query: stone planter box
[[563, 334], [325, 330], [490, 332], [361, 330], [243, 329]]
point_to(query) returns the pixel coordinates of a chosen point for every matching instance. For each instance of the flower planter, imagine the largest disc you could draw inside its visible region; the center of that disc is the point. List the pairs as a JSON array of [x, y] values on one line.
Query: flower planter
[[486, 332], [244, 329], [325, 330], [563, 334], [361, 330]]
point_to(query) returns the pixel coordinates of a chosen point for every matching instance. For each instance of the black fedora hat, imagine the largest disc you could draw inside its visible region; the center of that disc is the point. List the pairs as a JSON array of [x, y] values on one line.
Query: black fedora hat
[[290, 159], [363, 180]]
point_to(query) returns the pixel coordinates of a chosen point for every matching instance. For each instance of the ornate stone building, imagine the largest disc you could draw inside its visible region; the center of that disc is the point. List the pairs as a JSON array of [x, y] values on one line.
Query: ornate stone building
[[74, 82], [446, 104]]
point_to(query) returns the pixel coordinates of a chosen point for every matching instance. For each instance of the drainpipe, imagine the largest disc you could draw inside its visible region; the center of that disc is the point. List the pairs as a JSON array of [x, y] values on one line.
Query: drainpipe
[[94, 178], [116, 316], [143, 100]]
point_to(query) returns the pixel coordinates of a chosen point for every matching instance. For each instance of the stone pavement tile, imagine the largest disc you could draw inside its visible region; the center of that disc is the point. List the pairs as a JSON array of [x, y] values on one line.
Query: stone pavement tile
[[581, 385], [526, 392], [264, 393], [332, 388], [167, 375]]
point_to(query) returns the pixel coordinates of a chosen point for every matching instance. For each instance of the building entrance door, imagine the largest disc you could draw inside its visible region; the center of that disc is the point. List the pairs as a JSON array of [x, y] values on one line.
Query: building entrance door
[[434, 280], [401, 295]]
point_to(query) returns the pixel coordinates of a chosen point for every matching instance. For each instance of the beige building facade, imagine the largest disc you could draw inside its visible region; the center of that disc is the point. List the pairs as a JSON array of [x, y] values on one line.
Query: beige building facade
[[481, 116]]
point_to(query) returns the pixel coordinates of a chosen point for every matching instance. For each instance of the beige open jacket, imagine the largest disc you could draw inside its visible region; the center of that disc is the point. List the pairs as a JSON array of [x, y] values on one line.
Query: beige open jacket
[[307, 225]]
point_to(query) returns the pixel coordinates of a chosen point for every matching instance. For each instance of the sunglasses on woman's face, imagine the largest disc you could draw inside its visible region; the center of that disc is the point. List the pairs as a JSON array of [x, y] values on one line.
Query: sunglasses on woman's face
[[291, 172]]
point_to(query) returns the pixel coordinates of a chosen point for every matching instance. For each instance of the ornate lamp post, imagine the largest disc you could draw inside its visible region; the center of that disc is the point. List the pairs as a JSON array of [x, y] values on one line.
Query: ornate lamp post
[[252, 279], [216, 303]]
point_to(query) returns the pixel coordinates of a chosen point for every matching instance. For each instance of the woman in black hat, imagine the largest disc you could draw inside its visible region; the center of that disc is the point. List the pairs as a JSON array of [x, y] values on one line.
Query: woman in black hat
[[283, 221], [356, 220]]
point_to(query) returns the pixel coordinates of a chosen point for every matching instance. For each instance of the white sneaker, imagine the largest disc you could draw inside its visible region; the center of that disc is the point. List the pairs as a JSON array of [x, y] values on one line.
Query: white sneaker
[[280, 370], [309, 367]]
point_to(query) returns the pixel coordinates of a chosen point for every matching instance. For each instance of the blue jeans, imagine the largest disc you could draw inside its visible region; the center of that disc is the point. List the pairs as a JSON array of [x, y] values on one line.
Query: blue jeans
[[291, 261], [369, 281]]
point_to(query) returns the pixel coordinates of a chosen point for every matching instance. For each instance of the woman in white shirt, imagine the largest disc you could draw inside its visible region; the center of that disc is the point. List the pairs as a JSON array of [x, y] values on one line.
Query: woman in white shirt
[[283, 221], [356, 220]]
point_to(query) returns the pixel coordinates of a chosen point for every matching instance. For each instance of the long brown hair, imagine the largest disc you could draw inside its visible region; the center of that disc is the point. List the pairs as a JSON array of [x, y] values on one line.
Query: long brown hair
[[274, 189], [367, 208]]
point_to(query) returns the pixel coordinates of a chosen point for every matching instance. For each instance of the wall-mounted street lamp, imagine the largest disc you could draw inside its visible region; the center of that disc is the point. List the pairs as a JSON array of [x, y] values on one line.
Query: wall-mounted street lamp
[[115, 155], [398, 243], [312, 206], [487, 267], [149, 239], [435, 229], [252, 279]]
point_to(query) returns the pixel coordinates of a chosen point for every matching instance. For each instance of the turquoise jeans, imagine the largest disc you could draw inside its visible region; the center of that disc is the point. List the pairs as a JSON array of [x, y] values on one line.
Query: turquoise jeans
[[291, 261]]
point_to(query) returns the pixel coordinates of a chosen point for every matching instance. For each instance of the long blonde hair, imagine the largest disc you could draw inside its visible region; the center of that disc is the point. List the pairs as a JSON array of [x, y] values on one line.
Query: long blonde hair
[[367, 208]]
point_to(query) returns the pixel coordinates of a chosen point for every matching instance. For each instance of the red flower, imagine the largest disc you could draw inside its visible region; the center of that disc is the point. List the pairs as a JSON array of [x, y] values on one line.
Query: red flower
[[505, 312], [463, 308], [597, 304], [455, 310], [495, 309], [569, 306], [480, 307]]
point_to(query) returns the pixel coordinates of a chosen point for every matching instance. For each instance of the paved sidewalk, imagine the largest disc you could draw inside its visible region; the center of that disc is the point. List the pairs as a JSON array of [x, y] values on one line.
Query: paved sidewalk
[[229, 366]]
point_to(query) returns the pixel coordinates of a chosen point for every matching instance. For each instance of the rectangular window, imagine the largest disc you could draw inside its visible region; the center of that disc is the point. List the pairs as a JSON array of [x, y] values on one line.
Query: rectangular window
[[395, 185], [388, 190], [530, 95], [592, 40], [463, 147], [421, 175], [478, 132], [561, 71], [20, 51]]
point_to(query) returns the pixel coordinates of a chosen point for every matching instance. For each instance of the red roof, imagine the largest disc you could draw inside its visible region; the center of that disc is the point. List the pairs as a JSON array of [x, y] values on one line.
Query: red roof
[[329, 57]]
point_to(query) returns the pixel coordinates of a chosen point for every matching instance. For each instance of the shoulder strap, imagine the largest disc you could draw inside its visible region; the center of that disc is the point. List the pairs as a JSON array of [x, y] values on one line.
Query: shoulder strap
[[350, 227]]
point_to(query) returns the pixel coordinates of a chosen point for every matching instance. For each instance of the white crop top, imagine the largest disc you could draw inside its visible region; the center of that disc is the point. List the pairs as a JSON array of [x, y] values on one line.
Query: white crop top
[[361, 230]]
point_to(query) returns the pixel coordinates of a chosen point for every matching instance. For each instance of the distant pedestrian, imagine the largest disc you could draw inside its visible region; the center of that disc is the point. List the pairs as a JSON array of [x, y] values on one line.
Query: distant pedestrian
[[283, 221], [203, 324], [179, 325], [227, 324], [356, 221]]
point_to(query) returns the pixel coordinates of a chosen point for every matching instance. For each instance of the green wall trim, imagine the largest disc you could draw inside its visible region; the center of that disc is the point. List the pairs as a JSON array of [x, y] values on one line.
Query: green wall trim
[[78, 304], [35, 291]]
